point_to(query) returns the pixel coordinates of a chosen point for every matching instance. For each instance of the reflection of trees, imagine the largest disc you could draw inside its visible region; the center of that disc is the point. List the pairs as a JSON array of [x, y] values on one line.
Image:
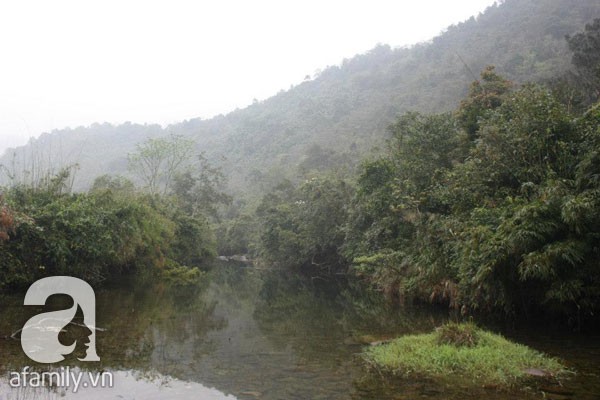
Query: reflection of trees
[[12, 318], [153, 325], [317, 318], [290, 312], [245, 330], [141, 326]]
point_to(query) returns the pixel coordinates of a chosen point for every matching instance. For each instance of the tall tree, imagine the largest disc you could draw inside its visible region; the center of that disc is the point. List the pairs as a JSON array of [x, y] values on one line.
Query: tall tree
[[157, 161], [586, 57], [485, 94], [199, 189], [7, 221]]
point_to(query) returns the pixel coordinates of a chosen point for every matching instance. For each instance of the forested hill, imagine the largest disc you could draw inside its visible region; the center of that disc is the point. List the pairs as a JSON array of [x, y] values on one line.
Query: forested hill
[[343, 112]]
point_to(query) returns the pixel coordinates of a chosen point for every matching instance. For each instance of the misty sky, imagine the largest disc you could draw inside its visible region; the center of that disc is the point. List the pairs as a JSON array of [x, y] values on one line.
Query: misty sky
[[72, 63]]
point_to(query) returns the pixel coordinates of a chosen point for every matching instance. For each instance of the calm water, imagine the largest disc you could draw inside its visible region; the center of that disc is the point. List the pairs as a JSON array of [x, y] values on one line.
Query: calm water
[[255, 334]]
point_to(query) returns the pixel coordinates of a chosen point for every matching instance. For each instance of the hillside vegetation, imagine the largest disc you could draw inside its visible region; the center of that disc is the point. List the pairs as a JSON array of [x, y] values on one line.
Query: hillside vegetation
[[336, 117], [482, 197], [492, 209]]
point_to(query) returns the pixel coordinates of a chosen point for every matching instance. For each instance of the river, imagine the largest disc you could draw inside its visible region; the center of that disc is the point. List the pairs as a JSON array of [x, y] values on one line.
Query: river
[[251, 334]]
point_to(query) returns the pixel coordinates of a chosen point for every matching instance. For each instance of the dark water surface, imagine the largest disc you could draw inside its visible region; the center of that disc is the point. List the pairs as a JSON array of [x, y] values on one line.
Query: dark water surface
[[256, 334]]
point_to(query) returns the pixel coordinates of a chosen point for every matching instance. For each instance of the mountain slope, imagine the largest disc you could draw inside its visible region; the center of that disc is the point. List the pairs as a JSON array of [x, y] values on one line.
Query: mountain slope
[[339, 115]]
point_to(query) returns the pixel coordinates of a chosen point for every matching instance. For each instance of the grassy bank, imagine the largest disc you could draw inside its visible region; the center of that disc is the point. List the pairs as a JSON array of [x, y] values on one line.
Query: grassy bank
[[462, 351]]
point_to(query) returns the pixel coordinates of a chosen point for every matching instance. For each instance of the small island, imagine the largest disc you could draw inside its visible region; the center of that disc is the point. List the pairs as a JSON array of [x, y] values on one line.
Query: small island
[[463, 351]]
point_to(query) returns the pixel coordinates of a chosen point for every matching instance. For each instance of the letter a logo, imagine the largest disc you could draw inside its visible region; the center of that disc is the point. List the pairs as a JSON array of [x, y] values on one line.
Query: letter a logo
[[39, 337]]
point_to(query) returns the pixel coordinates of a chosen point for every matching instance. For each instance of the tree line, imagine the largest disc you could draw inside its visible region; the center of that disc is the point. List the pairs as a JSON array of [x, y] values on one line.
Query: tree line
[[493, 208], [161, 227]]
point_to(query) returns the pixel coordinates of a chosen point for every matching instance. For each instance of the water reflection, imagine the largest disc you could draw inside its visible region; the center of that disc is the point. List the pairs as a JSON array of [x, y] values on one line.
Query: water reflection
[[245, 334]]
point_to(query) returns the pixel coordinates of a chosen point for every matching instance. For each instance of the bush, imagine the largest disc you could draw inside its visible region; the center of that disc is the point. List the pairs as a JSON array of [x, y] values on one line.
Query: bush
[[95, 236]]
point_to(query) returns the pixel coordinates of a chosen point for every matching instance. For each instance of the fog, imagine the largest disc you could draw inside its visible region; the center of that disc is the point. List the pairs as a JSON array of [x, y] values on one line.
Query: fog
[[72, 63]]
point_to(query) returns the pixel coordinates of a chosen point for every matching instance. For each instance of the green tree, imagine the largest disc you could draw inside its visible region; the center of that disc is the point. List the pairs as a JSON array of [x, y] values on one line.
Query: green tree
[[586, 57], [237, 235], [303, 226], [156, 162], [116, 184], [396, 194], [485, 94], [506, 224], [199, 189], [90, 236], [521, 226]]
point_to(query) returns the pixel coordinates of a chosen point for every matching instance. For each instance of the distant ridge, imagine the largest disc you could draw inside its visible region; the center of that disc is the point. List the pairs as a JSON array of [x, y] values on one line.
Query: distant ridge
[[342, 113]]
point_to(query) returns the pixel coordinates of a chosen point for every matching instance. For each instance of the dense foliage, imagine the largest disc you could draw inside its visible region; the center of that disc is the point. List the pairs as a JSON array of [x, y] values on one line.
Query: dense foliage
[[115, 228], [303, 226], [586, 58], [493, 208], [335, 117], [95, 236]]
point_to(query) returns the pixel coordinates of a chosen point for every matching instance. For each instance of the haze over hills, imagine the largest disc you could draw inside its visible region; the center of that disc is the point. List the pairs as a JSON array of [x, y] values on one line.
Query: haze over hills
[[338, 116]]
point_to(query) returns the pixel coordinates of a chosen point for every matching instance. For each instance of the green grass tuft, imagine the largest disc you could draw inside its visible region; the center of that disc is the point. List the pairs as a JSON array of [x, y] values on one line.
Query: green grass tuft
[[466, 334], [461, 350]]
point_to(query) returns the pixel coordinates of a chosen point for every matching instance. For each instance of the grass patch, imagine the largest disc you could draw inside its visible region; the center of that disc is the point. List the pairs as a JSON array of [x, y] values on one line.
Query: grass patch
[[461, 350]]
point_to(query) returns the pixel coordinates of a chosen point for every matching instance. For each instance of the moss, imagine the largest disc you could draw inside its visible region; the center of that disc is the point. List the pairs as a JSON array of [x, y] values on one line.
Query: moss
[[461, 351]]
